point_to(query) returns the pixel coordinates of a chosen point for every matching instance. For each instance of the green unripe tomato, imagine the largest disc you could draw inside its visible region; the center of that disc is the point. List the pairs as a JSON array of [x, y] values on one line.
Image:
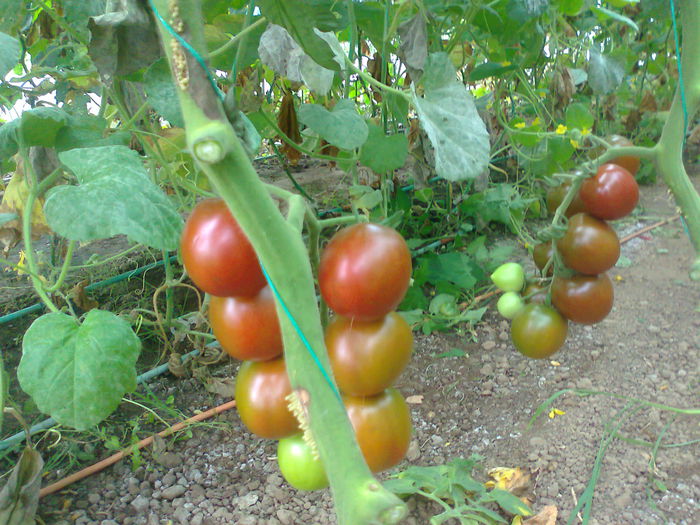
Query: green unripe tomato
[[298, 465], [509, 277], [509, 304]]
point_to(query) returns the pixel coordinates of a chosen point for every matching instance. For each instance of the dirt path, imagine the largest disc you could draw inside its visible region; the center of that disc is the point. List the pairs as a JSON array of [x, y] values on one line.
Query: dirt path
[[648, 349]]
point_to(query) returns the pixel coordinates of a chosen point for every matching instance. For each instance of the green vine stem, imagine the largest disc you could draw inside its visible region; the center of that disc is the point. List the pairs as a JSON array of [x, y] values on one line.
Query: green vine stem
[[359, 497], [669, 158]]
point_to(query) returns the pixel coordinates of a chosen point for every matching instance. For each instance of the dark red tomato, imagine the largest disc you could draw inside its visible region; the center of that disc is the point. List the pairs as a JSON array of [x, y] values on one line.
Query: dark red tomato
[[382, 426], [365, 271], [261, 391], [247, 327], [217, 255], [538, 331], [556, 195], [611, 194], [584, 299], [368, 356], [535, 293], [589, 245], [631, 164], [541, 254]]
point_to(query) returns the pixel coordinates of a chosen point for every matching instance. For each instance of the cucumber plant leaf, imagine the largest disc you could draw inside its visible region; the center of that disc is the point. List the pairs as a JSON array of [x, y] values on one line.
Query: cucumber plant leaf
[[342, 127], [9, 53], [78, 372], [19, 498], [383, 153]]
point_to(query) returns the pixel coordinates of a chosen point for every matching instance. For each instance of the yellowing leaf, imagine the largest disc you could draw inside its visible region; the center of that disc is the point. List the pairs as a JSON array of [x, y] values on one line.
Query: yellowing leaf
[[517, 481], [547, 516]]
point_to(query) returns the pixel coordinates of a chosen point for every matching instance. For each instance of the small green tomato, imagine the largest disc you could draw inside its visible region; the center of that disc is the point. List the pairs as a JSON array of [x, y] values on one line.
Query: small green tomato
[[509, 304], [298, 465], [509, 277]]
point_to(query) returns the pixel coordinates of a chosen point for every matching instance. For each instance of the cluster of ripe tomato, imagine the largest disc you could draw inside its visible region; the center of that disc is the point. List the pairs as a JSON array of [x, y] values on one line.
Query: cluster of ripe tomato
[[363, 275], [581, 292]]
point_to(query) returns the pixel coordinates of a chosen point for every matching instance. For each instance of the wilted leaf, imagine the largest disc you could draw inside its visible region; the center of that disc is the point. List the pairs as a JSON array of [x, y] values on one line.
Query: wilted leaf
[[413, 49], [448, 115], [222, 386], [547, 516], [89, 366], [19, 497], [517, 481], [605, 74], [79, 296], [114, 196]]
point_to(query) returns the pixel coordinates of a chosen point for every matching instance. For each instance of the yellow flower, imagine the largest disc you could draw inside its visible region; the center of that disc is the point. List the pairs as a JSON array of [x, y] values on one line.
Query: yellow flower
[[536, 122], [520, 125], [561, 129], [505, 63], [574, 143], [555, 412], [21, 265], [585, 131]]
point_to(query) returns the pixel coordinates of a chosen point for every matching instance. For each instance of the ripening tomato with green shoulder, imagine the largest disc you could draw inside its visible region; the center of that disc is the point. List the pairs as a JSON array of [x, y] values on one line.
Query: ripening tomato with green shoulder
[[538, 331], [216, 253], [611, 194], [247, 327], [364, 272], [589, 246], [584, 299], [382, 425], [368, 356], [298, 464], [261, 391]]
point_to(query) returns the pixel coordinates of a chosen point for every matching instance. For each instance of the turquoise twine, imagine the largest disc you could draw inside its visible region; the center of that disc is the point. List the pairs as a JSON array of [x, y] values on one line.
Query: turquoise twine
[[680, 70], [276, 293]]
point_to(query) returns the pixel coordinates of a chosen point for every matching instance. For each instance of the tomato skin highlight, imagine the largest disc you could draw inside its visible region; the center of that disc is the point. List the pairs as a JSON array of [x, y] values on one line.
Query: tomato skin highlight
[[584, 299], [298, 465], [261, 389], [247, 327], [589, 246], [538, 331], [611, 194], [365, 271], [216, 253], [368, 356], [382, 425]]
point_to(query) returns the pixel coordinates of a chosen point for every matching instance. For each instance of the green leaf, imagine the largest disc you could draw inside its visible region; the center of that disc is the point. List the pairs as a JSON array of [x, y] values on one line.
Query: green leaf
[[161, 92], [570, 7], [40, 126], [365, 197], [454, 267], [9, 142], [447, 113], [9, 53], [384, 153], [86, 130], [606, 14], [12, 13], [489, 69], [605, 74], [509, 502], [19, 498], [78, 372], [623, 262], [342, 126], [578, 116], [523, 11], [299, 18], [114, 196]]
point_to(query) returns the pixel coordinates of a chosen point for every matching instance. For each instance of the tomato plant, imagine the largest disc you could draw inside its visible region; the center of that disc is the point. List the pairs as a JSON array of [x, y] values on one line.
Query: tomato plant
[[382, 426], [368, 356], [298, 465], [247, 327], [365, 271], [556, 195], [628, 162], [589, 246], [584, 299], [611, 194], [509, 304], [261, 391], [509, 277], [538, 331], [535, 293], [216, 253]]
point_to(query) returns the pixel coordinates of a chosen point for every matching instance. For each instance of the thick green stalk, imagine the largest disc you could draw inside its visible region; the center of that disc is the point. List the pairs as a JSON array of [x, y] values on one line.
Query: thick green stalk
[[669, 157], [359, 498]]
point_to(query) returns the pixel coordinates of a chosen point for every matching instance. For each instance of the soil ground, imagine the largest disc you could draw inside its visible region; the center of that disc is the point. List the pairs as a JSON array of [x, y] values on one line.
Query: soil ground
[[481, 402]]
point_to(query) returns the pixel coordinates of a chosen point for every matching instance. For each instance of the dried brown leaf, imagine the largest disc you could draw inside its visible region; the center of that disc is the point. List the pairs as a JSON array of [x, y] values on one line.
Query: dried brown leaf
[[547, 516], [222, 386], [19, 497], [79, 296], [648, 102]]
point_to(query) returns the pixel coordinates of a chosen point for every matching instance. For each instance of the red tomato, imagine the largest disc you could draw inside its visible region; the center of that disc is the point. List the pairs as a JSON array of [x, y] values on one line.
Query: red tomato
[[584, 299], [541, 254], [365, 271], [368, 356], [611, 194], [589, 245], [382, 426], [630, 163], [217, 255], [556, 195], [261, 391], [247, 327], [538, 331]]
